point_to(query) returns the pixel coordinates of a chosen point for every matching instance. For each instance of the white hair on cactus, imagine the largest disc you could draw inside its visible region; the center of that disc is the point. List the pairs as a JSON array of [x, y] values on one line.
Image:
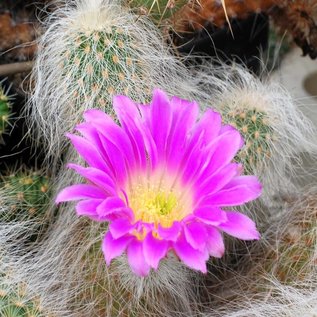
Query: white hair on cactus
[[280, 131], [67, 269], [279, 300], [72, 279], [90, 51], [278, 275]]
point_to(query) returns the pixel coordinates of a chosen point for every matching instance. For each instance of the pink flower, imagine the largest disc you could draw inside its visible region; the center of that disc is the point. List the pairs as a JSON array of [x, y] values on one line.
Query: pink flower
[[160, 179]]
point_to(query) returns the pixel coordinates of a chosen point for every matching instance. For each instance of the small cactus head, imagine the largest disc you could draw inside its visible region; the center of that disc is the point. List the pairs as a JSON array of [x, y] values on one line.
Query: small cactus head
[[15, 300], [257, 133], [101, 63], [24, 195]]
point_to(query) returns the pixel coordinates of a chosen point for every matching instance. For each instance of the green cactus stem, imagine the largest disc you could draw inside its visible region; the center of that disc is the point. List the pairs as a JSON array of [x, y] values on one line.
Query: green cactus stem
[[101, 64], [257, 133], [5, 108], [14, 301], [25, 194]]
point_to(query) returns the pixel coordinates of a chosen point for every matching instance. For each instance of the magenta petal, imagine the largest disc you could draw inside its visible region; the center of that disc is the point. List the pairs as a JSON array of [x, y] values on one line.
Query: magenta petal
[[136, 258], [215, 244], [245, 180], [196, 235], [109, 132], [161, 120], [185, 114], [80, 191], [154, 250], [195, 259], [113, 248], [211, 184], [88, 152], [88, 208], [228, 145], [240, 226], [210, 215], [228, 127], [95, 176], [96, 115], [236, 192], [130, 120], [114, 208], [208, 127], [120, 227], [193, 160], [171, 233]]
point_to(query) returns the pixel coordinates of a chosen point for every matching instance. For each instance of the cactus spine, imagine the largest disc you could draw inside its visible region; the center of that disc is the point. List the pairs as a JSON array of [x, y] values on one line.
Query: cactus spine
[[15, 302], [4, 111], [100, 64], [257, 133], [24, 196], [293, 259]]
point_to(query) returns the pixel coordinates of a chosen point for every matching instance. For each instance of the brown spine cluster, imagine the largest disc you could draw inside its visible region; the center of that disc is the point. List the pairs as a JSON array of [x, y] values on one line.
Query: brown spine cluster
[[299, 18], [199, 13]]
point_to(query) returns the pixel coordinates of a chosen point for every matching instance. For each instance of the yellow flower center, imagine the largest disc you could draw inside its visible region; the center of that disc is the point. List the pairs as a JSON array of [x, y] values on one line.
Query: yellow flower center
[[159, 199]]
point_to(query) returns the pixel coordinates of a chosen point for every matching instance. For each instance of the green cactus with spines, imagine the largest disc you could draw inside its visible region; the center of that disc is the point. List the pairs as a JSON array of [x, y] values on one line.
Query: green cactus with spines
[[158, 10], [5, 108], [101, 64], [257, 133], [14, 301], [25, 194]]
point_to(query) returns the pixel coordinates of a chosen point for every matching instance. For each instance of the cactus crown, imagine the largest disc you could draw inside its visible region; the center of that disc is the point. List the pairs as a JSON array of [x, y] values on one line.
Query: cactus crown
[[100, 64]]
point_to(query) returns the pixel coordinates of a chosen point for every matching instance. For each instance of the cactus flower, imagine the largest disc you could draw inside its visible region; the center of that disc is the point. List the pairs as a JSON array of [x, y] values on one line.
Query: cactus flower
[[161, 179]]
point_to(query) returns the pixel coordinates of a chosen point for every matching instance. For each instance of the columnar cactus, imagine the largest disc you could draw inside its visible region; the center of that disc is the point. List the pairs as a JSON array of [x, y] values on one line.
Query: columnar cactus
[[101, 63], [91, 51]]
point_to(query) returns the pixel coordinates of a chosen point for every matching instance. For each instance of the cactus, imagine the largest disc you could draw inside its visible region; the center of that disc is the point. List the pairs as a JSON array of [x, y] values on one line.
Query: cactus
[[101, 64], [275, 131], [257, 133], [4, 111], [292, 258], [90, 52], [158, 10], [15, 302], [24, 195], [115, 291]]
